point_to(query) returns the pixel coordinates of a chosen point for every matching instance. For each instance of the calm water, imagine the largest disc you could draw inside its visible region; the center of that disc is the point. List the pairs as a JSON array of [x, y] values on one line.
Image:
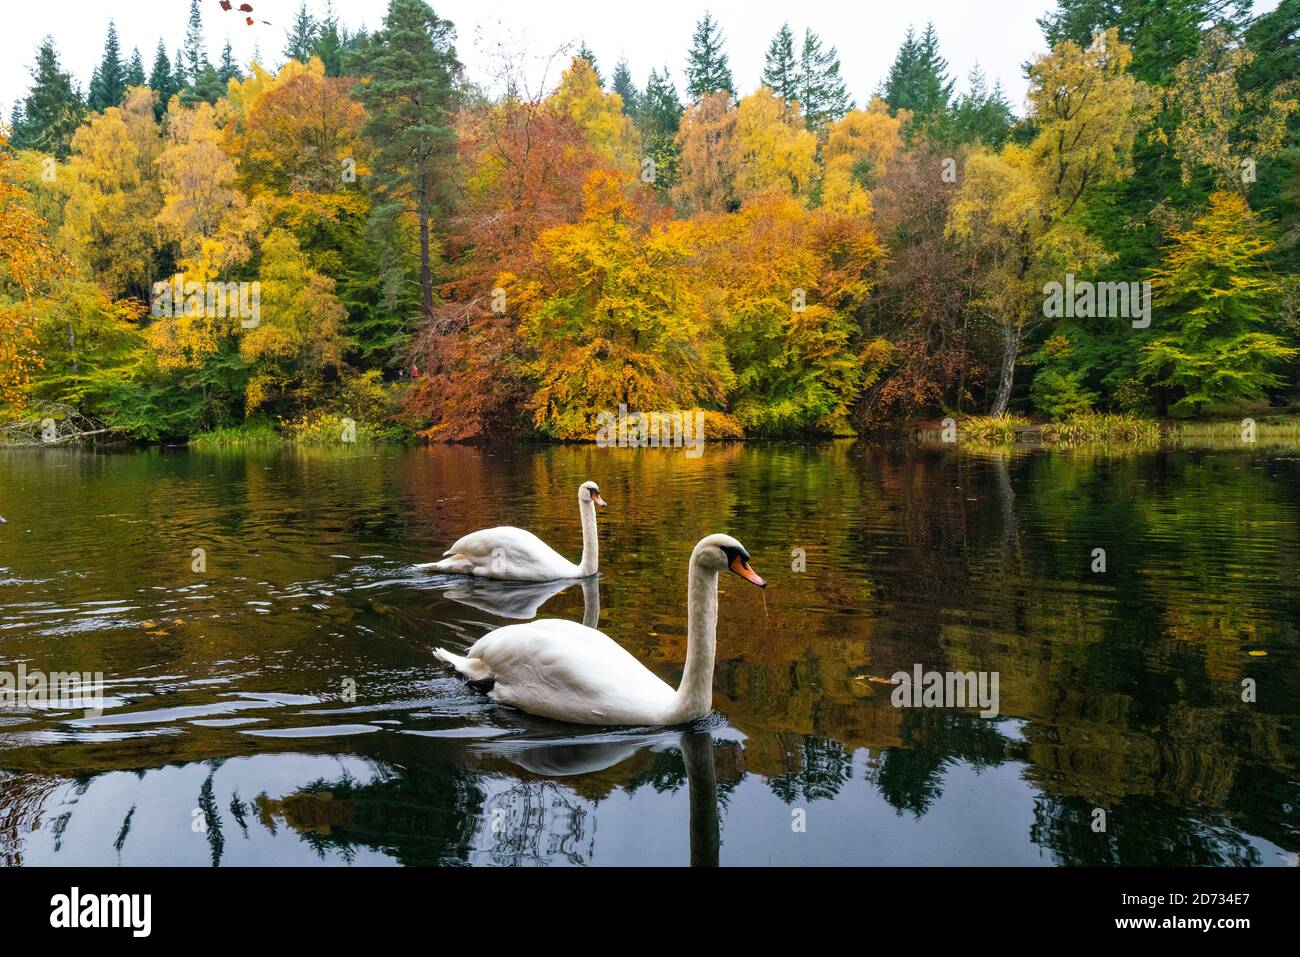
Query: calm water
[[282, 707]]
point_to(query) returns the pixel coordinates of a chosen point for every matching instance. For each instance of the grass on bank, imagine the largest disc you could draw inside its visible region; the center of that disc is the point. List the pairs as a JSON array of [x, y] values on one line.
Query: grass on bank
[[317, 430]]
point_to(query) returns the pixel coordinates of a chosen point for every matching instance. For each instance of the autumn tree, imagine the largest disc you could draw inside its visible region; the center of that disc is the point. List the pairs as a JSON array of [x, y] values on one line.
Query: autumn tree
[[26, 263], [297, 345], [1014, 207], [1223, 127], [599, 115], [113, 197], [774, 151], [707, 160], [857, 151], [1216, 297], [615, 320]]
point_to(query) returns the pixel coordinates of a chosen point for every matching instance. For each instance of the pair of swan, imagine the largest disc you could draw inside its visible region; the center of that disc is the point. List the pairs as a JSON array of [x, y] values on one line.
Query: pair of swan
[[570, 672]]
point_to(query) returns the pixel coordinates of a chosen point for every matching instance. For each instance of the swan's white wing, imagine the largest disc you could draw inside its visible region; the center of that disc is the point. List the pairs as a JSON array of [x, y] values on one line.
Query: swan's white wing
[[507, 553], [561, 669]]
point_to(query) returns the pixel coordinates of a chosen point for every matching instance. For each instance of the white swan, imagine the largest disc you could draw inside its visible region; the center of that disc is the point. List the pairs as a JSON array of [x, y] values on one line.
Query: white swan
[[569, 672], [512, 554]]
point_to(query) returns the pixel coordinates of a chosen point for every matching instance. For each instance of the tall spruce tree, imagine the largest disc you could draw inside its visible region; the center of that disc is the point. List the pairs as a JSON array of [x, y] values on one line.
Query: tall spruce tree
[[821, 90], [108, 83], [780, 68], [300, 39], [227, 68], [331, 39], [585, 53], [658, 117], [162, 80], [918, 79], [135, 69], [981, 115], [52, 110], [196, 50], [625, 88], [411, 68], [707, 68]]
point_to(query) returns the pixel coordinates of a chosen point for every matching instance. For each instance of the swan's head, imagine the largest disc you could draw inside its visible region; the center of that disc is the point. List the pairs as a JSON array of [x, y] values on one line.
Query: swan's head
[[590, 492], [721, 553]]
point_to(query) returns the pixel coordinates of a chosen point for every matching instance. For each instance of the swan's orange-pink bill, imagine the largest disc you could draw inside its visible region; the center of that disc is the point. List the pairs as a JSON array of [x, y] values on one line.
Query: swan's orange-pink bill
[[741, 568]]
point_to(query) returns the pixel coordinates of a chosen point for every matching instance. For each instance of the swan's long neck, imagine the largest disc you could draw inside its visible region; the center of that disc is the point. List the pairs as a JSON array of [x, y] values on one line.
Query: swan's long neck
[[695, 695], [590, 544]]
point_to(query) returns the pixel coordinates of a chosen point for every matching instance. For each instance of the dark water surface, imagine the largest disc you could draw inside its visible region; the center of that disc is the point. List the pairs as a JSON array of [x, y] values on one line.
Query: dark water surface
[[283, 707]]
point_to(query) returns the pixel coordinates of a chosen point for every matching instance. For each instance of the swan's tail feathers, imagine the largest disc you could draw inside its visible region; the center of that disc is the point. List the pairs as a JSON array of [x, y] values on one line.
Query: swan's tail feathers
[[472, 669]]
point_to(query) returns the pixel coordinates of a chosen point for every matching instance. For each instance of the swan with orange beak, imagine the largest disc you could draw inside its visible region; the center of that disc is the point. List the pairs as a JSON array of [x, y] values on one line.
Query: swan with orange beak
[[569, 672]]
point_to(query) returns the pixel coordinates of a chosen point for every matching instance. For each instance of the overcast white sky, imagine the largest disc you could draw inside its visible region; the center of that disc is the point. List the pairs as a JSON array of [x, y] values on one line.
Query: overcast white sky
[[999, 34]]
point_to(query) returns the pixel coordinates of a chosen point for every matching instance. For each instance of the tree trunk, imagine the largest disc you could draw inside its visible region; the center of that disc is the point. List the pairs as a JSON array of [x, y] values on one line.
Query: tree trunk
[[1010, 350], [426, 271]]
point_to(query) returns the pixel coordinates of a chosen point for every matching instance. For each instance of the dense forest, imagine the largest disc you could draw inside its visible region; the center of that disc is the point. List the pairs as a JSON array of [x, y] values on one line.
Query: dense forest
[[369, 234]]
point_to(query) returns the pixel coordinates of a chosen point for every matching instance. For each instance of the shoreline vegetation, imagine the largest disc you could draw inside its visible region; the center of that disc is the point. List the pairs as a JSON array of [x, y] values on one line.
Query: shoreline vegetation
[[1271, 428], [298, 250]]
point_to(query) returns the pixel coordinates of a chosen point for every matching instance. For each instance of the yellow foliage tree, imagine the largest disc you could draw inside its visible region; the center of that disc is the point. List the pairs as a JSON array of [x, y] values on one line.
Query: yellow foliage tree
[[775, 152], [26, 262], [113, 199], [1013, 208], [297, 343], [707, 167], [617, 321], [858, 149], [598, 114]]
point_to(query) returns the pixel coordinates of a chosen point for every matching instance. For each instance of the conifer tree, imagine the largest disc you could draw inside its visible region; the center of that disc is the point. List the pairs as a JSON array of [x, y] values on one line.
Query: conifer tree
[[52, 110], [707, 69], [108, 84], [781, 69]]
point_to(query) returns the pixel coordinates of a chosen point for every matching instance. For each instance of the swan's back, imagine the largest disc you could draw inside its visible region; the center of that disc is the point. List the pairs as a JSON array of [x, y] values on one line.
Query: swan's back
[[506, 552], [561, 669]]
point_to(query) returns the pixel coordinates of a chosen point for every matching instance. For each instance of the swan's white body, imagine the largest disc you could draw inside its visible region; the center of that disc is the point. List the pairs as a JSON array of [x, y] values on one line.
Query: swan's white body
[[566, 671], [513, 554]]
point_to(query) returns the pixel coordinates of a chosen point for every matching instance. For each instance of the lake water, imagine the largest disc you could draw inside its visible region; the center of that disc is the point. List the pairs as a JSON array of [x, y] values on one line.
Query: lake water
[[281, 705]]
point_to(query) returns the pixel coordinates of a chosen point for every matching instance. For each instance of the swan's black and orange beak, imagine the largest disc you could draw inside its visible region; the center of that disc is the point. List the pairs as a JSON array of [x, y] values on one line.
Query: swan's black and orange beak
[[595, 497], [740, 565]]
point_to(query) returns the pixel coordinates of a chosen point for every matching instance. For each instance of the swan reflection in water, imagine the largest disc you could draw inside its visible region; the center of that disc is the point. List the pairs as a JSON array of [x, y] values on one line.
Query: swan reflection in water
[[523, 600], [591, 754]]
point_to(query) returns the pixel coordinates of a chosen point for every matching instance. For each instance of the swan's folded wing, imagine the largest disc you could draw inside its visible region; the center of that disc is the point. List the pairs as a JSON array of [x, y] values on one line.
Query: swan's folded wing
[[563, 669], [513, 548]]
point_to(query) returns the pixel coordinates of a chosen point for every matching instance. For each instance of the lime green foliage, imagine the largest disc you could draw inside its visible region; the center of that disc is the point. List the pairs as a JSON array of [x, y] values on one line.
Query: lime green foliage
[[1215, 294]]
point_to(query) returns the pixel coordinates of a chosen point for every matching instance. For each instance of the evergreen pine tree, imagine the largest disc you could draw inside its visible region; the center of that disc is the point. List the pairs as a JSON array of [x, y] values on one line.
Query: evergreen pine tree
[[780, 69], [411, 67], [1162, 33], [108, 84], [228, 69], [161, 78], [585, 53], [918, 79], [135, 69], [980, 114], [658, 117], [196, 50], [822, 94], [330, 41], [300, 39], [625, 88], [707, 69], [52, 110]]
